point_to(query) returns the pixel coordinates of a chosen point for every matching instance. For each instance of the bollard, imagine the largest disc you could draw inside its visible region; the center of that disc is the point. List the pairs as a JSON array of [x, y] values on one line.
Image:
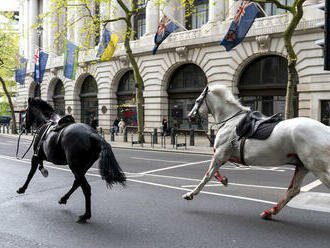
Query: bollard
[[112, 134], [7, 129], [192, 137], [155, 141], [125, 134], [3, 128], [176, 142], [212, 137], [172, 136]]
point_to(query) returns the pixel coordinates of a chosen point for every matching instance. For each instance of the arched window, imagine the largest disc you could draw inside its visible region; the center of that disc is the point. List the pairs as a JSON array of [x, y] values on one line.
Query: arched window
[[262, 85], [126, 99], [37, 91], [186, 84], [89, 102], [58, 98]]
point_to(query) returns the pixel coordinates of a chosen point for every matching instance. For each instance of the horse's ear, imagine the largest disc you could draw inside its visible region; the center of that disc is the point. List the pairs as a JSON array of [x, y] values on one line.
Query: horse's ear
[[30, 100], [207, 88]]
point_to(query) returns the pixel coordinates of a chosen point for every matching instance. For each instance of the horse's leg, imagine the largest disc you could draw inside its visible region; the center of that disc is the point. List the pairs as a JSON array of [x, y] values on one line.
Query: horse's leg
[[34, 166], [43, 171], [293, 190], [65, 198], [213, 168], [87, 192]]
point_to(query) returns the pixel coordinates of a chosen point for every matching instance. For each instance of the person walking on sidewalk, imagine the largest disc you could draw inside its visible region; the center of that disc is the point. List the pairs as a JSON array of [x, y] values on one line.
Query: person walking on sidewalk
[[164, 123], [121, 125], [115, 126]]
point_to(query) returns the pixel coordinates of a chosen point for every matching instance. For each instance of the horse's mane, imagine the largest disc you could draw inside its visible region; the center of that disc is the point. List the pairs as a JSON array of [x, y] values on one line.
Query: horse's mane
[[43, 106], [227, 95]]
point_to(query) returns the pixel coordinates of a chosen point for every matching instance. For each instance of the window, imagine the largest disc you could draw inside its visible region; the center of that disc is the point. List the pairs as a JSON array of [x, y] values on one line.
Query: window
[[271, 9], [140, 19], [262, 85], [89, 101], [325, 112], [186, 84], [58, 98], [126, 99], [197, 14]]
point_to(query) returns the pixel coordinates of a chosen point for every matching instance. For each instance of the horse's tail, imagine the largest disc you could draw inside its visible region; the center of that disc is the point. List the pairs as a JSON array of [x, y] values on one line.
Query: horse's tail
[[109, 168]]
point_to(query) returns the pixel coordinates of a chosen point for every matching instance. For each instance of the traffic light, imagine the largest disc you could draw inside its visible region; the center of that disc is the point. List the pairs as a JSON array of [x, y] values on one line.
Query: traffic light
[[325, 25]]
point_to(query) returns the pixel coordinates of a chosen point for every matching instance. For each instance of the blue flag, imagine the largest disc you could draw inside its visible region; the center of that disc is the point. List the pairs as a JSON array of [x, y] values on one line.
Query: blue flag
[[107, 45], [106, 37], [243, 20], [70, 59], [40, 59], [20, 72], [165, 28]]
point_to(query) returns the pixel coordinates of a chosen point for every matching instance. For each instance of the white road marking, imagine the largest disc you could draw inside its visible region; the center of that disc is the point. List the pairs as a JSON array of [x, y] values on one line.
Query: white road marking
[[159, 160], [311, 201], [311, 185], [175, 166], [237, 184]]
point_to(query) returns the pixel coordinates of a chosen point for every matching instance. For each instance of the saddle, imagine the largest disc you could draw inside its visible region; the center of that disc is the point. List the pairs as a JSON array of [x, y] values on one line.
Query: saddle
[[256, 125], [63, 122]]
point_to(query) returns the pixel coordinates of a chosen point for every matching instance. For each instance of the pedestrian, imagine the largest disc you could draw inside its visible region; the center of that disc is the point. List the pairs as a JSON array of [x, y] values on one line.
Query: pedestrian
[[94, 122], [165, 126], [121, 125], [115, 126]]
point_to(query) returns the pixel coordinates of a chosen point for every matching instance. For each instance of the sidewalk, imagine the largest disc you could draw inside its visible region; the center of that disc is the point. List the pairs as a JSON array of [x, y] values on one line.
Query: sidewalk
[[202, 145]]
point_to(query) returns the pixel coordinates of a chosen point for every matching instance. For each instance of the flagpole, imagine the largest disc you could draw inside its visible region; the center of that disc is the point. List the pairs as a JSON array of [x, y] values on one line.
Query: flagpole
[[261, 9], [175, 21]]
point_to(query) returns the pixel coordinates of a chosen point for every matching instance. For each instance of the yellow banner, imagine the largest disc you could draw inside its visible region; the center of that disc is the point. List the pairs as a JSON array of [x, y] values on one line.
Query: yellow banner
[[109, 51]]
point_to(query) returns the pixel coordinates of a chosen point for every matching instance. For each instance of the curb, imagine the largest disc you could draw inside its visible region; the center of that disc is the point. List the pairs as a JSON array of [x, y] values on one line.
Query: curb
[[114, 145]]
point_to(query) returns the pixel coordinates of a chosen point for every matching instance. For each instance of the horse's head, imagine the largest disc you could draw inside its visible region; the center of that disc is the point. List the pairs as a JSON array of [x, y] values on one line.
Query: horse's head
[[200, 106], [37, 112]]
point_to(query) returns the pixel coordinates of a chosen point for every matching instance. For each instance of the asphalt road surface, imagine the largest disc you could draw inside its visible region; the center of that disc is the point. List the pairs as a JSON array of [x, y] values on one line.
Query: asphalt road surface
[[149, 211]]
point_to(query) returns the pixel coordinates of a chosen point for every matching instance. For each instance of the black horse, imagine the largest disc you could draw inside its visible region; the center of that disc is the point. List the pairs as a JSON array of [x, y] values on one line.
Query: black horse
[[74, 144]]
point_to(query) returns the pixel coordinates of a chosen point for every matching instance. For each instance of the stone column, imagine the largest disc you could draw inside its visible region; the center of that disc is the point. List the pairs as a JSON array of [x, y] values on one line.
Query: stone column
[[217, 10], [152, 17], [21, 29], [118, 27], [45, 25], [70, 19], [52, 31], [232, 9], [33, 37], [26, 30]]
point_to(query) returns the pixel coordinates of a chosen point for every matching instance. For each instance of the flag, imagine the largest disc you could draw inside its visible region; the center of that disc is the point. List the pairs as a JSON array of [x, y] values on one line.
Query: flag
[[40, 62], [20, 72], [108, 45], [165, 28], [70, 59], [243, 20]]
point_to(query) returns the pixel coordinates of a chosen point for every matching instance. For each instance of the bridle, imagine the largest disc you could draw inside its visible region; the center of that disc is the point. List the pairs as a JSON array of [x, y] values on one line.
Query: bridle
[[221, 123]]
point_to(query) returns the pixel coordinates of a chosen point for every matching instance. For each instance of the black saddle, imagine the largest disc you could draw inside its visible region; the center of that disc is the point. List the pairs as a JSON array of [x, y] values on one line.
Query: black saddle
[[256, 125], [64, 122]]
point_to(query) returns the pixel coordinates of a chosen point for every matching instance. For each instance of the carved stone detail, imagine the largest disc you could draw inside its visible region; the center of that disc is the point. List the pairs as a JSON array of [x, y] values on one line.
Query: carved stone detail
[[263, 42], [182, 51], [124, 59]]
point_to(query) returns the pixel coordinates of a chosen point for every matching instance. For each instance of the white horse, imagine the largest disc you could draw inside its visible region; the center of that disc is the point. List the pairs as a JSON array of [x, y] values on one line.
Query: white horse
[[300, 141]]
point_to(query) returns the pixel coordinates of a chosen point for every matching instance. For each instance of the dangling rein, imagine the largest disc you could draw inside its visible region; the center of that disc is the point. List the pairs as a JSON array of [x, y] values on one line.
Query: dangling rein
[[19, 138]]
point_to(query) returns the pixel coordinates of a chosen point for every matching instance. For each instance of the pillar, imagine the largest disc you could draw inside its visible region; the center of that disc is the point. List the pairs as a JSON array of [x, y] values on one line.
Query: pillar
[[152, 17]]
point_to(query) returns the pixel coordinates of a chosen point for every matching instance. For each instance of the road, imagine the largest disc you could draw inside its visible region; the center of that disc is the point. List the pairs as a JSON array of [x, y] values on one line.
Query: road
[[149, 211]]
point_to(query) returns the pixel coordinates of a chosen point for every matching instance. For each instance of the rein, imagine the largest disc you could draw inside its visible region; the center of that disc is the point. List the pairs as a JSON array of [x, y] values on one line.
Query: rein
[[19, 138]]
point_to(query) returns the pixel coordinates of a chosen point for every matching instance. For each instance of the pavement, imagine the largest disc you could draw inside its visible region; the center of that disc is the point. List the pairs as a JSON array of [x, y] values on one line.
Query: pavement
[[202, 144]]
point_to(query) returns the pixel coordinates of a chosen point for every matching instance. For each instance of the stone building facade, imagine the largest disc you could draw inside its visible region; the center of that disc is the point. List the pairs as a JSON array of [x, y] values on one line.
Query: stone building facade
[[254, 70]]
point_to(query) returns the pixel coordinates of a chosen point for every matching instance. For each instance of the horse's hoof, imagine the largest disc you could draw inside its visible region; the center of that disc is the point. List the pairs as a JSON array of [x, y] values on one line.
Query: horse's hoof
[[188, 196], [20, 191], [266, 215], [82, 219], [44, 172], [224, 181], [62, 201]]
